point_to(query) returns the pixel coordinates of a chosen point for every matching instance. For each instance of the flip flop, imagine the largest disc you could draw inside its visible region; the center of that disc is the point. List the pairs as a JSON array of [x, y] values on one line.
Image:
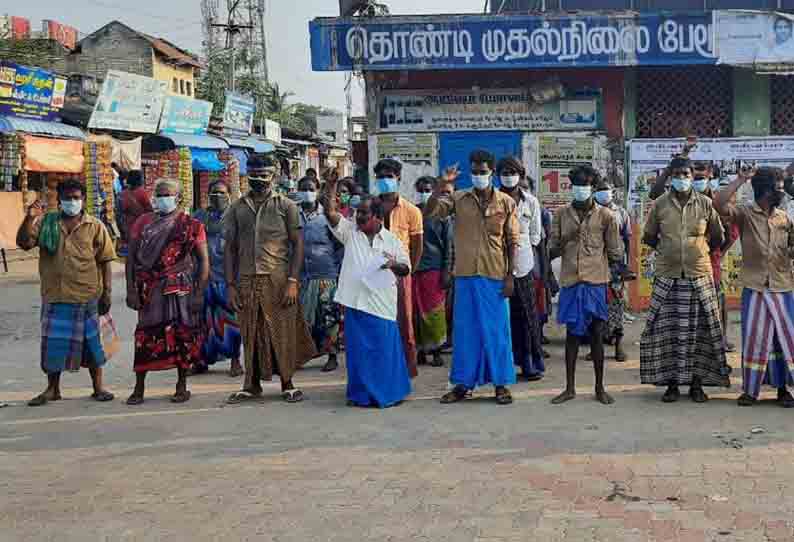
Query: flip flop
[[457, 394], [39, 400], [182, 397], [243, 396], [292, 396], [102, 396], [134, 400]]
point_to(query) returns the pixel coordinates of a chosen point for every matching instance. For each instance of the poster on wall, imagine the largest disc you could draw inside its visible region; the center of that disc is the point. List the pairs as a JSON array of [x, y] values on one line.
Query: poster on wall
[[557, 155], [757, 38], [129, 103], [238, 116], [493, 109], [417, 153], [185, 116], [30, 93], [649, 157]]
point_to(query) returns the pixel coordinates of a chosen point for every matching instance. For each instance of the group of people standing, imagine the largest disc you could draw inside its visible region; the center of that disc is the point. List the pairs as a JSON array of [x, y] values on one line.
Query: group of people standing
[[280, 277]]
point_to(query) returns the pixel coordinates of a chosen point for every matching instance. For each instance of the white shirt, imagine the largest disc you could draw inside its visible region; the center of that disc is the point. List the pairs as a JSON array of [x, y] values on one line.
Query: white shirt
[[529, 221], [352, 292]]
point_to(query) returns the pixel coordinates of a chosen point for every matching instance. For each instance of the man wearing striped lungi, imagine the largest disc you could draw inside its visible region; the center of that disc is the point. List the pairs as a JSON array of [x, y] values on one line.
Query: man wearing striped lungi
[[767, 237], [682, 343]]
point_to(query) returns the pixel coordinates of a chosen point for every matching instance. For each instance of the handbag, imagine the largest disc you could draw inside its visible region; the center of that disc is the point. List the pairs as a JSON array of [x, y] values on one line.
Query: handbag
[[111, 343]]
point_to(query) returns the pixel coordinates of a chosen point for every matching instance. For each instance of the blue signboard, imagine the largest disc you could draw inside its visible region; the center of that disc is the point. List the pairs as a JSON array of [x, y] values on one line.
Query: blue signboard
[[185, 116], [30, 92], [477, 42], [238, 116]]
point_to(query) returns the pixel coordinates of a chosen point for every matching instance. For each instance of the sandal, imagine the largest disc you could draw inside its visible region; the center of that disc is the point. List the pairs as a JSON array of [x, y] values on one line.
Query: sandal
[[746, 400], [672, 395], [458, 393], [784, 399], [134, 400], [243, 396], [181, 397], [503, 396], [698, 395], [437, 361], [292, 396], [102, 396], [621, 357]]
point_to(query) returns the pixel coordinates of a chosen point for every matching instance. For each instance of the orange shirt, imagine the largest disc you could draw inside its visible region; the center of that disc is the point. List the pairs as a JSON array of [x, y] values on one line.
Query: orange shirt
[[405, 222]]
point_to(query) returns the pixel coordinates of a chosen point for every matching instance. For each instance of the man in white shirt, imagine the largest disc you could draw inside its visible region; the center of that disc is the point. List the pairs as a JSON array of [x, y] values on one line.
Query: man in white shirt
[[524, 327], [377, 374]]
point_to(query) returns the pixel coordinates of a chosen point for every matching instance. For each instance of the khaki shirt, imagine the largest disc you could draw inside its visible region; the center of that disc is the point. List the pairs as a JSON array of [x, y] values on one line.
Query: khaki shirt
[[484, 231], [683, 236], [260, 239], [72, 274], [586, 244], [767, 248]]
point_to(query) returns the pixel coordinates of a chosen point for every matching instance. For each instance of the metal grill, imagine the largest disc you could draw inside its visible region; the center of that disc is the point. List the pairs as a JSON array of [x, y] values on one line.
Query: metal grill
[[675, 102], [782, 105]]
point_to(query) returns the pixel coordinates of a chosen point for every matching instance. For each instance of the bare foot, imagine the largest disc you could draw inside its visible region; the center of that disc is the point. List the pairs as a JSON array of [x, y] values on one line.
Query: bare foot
[[564, 397], [603, 397]]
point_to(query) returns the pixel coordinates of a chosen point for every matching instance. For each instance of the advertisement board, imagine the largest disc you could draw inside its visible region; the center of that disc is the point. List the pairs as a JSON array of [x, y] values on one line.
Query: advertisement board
[[64, 34], [238, 116], [129, 102], [273, 131], [14, 28], [487, 109], [185, 116], [30, 93], [557, 155]]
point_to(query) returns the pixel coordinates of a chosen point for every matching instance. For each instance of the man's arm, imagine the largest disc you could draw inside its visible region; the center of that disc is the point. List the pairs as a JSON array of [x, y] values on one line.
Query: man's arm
[[296, 262], [105, 254], [715, 230], [203, 257], [650, 235], [613, 241], [535, 224], [416, 243], [330, 208], [28, 233], [512, 233], [231, 270], [724, 202], [555, 237]]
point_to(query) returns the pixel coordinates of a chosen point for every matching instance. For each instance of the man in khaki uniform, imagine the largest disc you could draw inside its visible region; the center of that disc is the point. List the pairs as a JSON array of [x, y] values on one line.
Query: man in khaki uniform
[[682, 343], [76, 281]]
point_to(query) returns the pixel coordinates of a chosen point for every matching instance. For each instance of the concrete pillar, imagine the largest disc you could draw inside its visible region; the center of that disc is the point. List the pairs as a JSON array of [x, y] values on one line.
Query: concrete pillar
[[630, 103]]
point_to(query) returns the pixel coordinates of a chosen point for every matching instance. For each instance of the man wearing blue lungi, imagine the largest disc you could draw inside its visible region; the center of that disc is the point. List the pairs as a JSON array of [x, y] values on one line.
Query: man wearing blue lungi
[[377, 374], [587, 238], [74, 265], [486, 238]]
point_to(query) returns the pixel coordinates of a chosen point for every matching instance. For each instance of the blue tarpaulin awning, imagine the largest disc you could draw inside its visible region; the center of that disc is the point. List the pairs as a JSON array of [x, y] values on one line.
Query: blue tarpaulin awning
[[252, 143], [242, 158], [206, 160], [196, 141], [15, 124]]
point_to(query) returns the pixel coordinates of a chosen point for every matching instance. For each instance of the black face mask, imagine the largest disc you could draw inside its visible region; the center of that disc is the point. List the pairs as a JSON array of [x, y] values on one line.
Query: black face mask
[[259, 185]]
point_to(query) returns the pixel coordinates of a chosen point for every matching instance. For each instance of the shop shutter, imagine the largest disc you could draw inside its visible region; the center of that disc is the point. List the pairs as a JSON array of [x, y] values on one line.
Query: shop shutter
[[673, 102], [782, 98]]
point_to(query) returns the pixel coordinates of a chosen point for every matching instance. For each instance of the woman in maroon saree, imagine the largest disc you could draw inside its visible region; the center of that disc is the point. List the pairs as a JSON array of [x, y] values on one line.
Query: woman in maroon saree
[[167, 273]]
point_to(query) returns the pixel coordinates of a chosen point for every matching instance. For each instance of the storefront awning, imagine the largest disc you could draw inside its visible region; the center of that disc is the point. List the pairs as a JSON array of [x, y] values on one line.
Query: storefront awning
[[195, 141], [298, 142], [40, 127], [252, 143], [206, 160]]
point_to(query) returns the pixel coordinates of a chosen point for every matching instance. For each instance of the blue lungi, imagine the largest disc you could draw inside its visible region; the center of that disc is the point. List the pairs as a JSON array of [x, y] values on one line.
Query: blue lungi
[[70, 337], [580, 304], [376, 371], [483, 352]]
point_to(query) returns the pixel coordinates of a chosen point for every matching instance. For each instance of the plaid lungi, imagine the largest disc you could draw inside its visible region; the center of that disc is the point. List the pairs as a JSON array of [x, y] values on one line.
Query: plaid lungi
[[270, 329], [70, 337], [683, 334], [767, 340]]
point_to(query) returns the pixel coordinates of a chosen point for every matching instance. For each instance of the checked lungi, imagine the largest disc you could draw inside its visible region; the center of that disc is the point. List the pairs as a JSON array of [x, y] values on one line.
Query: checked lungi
[[683, 334], [767, 340], [70, 337]]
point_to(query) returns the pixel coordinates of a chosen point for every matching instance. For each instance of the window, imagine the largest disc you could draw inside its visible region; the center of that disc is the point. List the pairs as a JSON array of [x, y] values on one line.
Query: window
[[189, 88], [181, 86], [175, 86]]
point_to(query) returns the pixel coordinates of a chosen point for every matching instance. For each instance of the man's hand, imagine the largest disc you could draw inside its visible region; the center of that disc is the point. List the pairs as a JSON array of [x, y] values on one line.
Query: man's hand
[[331, 177], [234, 298], [509, 286], [391, 261], [105, 301], [451, 173], [35, 210], [133, 300], [291, 295]]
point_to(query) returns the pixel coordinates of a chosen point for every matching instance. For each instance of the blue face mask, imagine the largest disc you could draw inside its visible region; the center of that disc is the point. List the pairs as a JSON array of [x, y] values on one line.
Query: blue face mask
[[582, 192], [700, 185], [386, 185], [355, 201], [714, 184], [603, 197], [682, 184], [165, 204], [71, 207]]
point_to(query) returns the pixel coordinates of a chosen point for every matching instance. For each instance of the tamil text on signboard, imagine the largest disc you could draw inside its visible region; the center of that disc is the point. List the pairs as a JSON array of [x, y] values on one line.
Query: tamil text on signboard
[[30, 92], [557, 155], [185, 116]]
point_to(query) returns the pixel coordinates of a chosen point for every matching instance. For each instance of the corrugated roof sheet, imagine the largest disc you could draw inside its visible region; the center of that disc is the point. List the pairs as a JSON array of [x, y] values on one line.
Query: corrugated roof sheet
[[57, 129]]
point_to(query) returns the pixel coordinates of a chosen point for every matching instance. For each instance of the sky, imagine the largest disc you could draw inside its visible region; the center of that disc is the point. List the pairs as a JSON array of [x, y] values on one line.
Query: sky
[[179, 21]]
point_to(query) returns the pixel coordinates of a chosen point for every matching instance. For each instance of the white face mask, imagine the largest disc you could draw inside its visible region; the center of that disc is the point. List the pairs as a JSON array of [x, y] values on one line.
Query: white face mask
[[582, 192], [72, 207], [308, 196], [423, 197], [481, 182], [165, 204], [510, 181]]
